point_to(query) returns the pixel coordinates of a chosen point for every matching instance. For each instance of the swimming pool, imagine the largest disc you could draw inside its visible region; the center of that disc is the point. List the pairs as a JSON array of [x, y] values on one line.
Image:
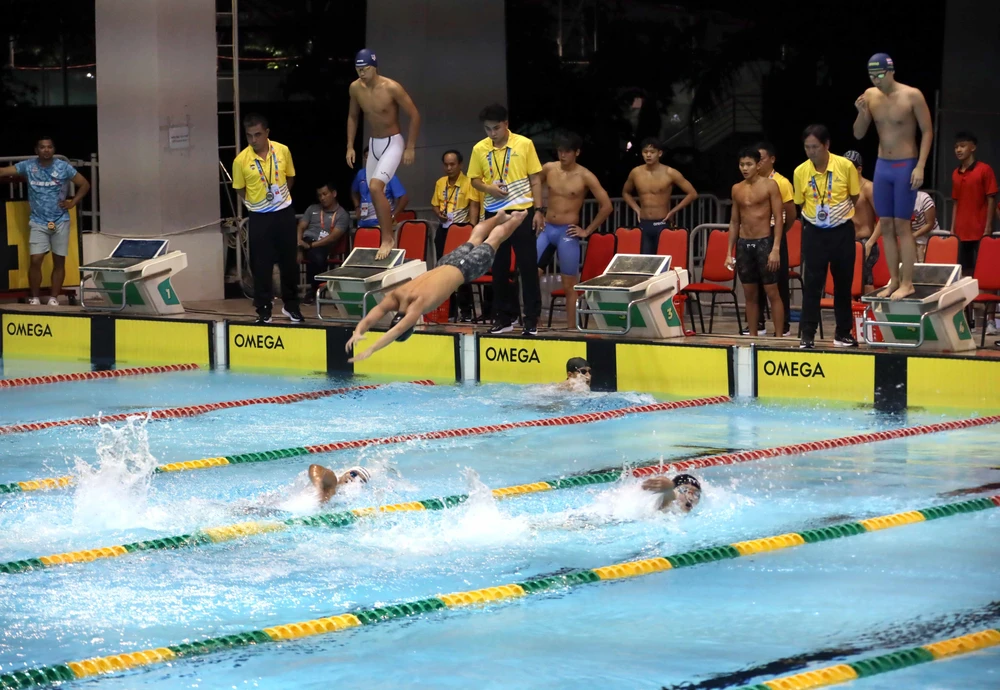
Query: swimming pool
[[722, 624]]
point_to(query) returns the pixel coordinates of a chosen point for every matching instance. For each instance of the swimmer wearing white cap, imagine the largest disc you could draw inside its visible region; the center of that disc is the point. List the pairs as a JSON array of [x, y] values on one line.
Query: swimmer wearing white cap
[[682, 491], [327, 482]]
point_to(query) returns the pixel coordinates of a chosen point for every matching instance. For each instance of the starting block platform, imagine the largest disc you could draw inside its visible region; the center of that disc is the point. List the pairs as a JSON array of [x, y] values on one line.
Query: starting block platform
[[931, 319], [633, 296], [361, 282], [135, 276]]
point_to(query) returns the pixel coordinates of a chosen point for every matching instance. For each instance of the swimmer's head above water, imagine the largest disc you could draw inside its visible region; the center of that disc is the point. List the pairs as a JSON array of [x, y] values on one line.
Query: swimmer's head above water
[[683, 491], [327, 482], [578, 370]]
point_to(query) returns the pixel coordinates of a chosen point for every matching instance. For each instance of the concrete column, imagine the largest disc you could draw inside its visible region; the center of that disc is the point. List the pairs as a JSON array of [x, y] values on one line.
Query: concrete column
[[156, 72], [450, 56]]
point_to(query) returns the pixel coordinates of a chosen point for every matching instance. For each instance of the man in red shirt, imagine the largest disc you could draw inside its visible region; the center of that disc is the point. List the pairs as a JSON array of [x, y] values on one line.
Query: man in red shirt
[[974, 188]]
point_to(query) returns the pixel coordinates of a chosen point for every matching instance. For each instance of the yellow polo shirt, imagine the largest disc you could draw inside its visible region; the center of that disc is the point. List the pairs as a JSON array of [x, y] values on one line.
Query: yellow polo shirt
[[784, 186], [454, 199], [835, 203], [275, 169], [511, 164]]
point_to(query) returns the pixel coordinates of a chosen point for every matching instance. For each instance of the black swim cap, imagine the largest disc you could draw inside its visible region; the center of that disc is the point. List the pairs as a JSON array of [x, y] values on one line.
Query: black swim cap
[[396, 319], [686, 479], [575, 364]]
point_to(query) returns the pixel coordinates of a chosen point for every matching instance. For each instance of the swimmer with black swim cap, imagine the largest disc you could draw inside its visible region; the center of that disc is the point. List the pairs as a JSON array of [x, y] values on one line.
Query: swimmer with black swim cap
[[577, 375], [682, 491], [326, 481]]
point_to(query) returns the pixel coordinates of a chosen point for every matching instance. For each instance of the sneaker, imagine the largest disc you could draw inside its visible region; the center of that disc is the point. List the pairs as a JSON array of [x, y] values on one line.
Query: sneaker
[[991, 328], [530, 329], [760, 331], [34, 301], [501, 327], [807, 343], [294, 315], [845, 341], [53, 302], [263, 316], [788, 332], [465, 318]]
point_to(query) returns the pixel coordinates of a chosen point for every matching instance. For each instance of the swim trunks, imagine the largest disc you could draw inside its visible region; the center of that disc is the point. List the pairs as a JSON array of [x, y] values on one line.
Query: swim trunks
[[471, 260], [567, 248], [651, 230], [384, 155], [751, 261], [891, 188]]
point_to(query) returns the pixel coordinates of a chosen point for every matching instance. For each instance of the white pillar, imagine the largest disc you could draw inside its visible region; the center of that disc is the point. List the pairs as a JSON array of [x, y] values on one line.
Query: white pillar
[[156, 72]]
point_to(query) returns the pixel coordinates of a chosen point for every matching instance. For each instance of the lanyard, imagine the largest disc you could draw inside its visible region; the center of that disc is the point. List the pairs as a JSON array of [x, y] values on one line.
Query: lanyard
[[444, 196], [272, 168], [829, 189], [506, 164], [322, 221]]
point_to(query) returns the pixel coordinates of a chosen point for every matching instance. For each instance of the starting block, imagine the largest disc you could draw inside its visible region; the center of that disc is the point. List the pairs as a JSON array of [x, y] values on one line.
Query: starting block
[[136, 275], [932, 318], [634, 295], [361, 282]]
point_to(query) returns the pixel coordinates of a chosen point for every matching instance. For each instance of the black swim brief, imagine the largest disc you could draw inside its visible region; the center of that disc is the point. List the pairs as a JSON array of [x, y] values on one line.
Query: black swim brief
[[751, 261], [473, 261]]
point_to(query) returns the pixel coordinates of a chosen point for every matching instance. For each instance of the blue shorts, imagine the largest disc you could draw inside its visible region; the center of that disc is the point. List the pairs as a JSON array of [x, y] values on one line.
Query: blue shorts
[[567, 248], [891, 188]]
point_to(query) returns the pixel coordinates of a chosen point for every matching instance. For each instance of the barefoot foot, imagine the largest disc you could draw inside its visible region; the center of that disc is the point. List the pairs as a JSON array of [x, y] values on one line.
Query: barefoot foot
[[888, 289], [904, 290], [383, 250]]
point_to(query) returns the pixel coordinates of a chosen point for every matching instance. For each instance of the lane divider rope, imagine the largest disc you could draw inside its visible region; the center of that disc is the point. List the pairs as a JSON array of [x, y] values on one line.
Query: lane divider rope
[[91, 375], [884, 663], [191, 410], [74, 670], [223, 533], [280, 454]]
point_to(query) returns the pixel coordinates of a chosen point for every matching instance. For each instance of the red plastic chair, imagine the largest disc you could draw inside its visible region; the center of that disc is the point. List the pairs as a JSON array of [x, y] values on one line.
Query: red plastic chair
[[405, 215], [339, 251], [413, 239], [942, 250], [794, 239], [713, 273], [856, 286], [368, 238], [674, 243], [629, 240], [988, 274], [600, 252]]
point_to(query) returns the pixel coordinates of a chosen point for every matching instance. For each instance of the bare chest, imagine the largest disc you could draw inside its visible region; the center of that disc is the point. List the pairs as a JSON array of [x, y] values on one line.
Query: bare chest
[[377, 101], [893, 110], [567, 185], [750, 196], [653, 183]]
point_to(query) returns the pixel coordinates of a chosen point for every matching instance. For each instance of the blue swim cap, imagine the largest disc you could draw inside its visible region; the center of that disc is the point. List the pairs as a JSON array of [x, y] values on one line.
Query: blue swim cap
[[364, 58], [407, 333], [880, 62]]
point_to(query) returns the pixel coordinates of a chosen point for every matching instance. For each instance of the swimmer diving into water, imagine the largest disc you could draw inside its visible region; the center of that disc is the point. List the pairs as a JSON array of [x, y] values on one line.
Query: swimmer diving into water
[[327, 482], [426, 292]]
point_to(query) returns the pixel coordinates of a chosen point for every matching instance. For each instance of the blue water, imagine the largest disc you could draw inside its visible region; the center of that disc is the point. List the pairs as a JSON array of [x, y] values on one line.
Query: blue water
[[713, 624]]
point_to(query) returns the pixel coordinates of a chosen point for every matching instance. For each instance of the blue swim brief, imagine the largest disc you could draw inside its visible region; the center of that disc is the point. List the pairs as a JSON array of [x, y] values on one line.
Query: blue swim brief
[[567, 248], [891, 188]]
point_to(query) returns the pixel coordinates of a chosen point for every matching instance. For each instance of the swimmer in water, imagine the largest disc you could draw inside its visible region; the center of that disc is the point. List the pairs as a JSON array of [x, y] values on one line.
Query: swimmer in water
[[683, 491], [577, 375], [327, 482]]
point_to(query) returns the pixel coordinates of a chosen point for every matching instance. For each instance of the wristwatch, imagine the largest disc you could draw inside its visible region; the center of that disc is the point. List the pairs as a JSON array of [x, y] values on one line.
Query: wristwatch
[[542, 209]]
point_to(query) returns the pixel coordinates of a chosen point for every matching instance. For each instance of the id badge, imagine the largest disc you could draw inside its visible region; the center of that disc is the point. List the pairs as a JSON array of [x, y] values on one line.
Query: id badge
[[822, 215], [274, 194], [502, 186], [365, 208], [451, 216]]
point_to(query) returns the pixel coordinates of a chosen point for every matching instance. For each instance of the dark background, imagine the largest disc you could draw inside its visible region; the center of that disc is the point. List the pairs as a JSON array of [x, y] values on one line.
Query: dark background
[[814, 56]]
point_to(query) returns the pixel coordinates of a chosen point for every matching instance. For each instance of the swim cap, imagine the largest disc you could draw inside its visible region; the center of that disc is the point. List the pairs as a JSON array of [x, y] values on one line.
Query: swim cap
[[880, 62], [396, 319], [359, 472], [365, 58], [575, 364], [854, 157], [686, 479]]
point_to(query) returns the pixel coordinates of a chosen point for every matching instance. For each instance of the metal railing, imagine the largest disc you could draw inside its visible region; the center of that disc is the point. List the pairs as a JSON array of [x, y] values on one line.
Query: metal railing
[[89, 208]]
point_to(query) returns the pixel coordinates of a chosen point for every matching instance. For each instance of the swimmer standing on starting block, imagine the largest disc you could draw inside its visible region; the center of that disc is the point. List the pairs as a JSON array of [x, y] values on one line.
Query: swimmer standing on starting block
[[380, 98], [426, 292], [327, 482]]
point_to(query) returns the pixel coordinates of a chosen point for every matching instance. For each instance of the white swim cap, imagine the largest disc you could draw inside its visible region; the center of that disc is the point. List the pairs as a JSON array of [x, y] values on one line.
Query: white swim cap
[[359, 472]]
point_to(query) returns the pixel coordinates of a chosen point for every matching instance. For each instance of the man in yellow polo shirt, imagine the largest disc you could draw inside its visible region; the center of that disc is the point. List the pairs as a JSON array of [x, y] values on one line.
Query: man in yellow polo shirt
[[455, 201], [826, 187], [263, 174], [505, 168], [766, 169]]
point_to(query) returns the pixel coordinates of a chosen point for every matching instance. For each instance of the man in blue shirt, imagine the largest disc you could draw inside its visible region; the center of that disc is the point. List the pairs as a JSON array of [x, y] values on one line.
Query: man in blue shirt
[[394, 192], [48, 181]]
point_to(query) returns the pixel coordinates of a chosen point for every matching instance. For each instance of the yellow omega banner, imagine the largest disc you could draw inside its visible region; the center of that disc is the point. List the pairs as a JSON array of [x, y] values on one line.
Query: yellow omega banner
[[18, 232], [673, 370], [421, 356], [953, 382], [810, 375], [277, 349], [526, 360], [140, 341], [46, 337]]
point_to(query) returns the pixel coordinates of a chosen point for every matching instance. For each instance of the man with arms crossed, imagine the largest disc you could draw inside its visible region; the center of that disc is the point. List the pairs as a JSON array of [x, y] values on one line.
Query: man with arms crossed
[[897, 110], [654, 182], [380, 98], [864, 224], [567, 184], [756, 201]]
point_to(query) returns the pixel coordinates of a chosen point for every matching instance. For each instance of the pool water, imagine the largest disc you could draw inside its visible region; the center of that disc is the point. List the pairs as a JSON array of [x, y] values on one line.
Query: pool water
[[718, 625]]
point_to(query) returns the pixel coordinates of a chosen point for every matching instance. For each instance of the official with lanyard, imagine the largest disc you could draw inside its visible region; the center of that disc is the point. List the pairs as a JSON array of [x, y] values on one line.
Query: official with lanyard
[[263, 174], [826, 188]]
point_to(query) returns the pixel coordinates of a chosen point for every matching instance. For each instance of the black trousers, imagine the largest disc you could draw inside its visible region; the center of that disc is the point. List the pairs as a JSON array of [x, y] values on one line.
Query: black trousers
[[273, 241], [968, 252], [317, 259], [507, 306], [782, 289], [464, 292], [824, 248]]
